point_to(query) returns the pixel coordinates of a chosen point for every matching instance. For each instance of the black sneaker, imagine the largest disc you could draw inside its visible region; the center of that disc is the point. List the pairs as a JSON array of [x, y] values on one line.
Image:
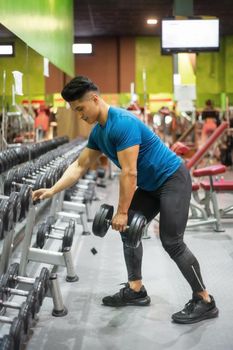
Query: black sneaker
[[196, 310], [127, 296]]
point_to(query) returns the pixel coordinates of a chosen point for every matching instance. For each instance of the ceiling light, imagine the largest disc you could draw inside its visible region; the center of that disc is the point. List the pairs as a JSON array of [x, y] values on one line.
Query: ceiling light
[[152, 21], [6, 49], [82, 48]]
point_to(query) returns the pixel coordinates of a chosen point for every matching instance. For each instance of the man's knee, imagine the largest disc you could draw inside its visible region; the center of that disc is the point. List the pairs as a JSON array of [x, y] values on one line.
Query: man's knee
[[174, 248]]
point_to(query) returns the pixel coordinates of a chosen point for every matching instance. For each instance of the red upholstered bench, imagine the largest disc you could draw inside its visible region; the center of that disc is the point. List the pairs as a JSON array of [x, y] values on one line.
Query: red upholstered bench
[[195, 186], [210, 170], [218, 186], [221, 185]]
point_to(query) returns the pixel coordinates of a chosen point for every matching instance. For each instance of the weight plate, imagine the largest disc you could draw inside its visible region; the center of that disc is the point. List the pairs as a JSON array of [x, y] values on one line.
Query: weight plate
[[72, 226], [6, 215], [12, 273], [44, 277], [17, 332], [16, 203], [1, 228], [102, 219], [38, 287], [40, 182], [41, 235], [50, 221], [67, 239], [7, 342], [25, 314], [25, 195], [4, 295], [135, 230], [11, 177], [33, 302]]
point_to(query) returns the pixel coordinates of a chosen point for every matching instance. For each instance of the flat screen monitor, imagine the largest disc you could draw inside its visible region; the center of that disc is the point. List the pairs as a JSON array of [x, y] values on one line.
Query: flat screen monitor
[[189, 35]]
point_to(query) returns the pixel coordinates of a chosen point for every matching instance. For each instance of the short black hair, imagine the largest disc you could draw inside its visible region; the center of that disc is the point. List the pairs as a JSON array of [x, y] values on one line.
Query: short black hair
[[77, 87]]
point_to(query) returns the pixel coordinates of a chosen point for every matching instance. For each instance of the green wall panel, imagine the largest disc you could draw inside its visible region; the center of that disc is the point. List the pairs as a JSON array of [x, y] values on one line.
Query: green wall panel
[[159, 70], [45, 25], [229, 64], [30, 63], [210, 75]]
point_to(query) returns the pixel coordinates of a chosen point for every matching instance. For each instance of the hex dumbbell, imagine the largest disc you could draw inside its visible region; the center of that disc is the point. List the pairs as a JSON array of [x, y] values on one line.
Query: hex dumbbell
[[102, 222]]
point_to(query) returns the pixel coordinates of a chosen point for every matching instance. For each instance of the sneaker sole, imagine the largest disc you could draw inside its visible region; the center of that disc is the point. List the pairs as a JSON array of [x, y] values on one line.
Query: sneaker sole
[[137, 302], [210, 314]]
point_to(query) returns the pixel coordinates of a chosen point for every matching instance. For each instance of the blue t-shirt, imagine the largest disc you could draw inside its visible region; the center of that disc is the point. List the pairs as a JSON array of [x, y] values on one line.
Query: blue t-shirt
[[156, 162]]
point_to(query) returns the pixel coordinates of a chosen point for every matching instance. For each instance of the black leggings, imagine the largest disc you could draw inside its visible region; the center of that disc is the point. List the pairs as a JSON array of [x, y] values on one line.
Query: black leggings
[[171, 200]]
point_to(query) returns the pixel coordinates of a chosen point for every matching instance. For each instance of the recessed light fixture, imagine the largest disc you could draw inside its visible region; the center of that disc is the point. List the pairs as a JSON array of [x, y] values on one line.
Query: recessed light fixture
[[6, 50], [79, 48], [152, 21]]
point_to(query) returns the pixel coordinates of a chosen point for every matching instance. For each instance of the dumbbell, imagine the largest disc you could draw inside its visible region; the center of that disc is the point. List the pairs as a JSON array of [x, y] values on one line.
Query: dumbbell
[[25, 312], [6, 217], [134, 231], [14, 198], [44, 232], [7, 342], [13, 178], [40, 284], [16, 333], [101, 172], [24, 191], [31, 173], [33, 296]]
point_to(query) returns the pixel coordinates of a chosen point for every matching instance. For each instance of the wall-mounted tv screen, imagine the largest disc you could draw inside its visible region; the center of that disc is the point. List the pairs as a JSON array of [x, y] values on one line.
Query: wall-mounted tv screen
[[189, 35]]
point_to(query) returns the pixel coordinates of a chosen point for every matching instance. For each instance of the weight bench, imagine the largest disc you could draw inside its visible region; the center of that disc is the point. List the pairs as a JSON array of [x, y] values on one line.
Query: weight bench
[[197, 211], [212, 187]]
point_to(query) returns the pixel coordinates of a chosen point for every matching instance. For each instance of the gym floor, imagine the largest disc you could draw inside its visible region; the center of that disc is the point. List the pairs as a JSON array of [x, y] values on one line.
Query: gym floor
[[90, 325]]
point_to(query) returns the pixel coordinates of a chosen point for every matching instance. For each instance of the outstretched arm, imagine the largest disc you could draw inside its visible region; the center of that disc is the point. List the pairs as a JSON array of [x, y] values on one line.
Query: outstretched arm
[[72, 174]]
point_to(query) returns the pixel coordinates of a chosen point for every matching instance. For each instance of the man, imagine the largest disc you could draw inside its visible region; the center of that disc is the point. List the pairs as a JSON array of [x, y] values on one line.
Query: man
[[153, 180]]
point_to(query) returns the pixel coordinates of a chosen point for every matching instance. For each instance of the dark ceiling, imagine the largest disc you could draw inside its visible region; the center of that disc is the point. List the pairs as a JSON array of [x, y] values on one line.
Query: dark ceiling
[[128, 17]]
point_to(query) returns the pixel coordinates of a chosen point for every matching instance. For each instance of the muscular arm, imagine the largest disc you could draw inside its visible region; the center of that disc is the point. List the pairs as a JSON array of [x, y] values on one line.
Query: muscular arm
[[72, 174], [128, 181]]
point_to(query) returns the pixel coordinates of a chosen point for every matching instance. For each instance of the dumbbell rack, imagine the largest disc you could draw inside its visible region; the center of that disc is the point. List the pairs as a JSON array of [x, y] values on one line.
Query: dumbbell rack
[[42, 255], [8, 244], [70, 210], [6, 251]]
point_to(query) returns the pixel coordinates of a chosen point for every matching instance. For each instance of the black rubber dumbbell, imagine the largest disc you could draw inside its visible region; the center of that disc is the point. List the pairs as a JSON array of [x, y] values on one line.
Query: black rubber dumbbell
[[7, 342], [6, 217], [13, 178], [16, 332], [44, 232], [25, 312], [33, 296], [102, 222], [12, 279], [25, 194], [14, 198]]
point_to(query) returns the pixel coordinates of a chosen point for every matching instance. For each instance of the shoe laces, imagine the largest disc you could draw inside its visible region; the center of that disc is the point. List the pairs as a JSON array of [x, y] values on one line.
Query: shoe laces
[[190, 306]]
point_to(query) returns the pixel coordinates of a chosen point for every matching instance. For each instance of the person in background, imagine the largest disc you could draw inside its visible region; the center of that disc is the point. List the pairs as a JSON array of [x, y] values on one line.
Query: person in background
[[210, 117]]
